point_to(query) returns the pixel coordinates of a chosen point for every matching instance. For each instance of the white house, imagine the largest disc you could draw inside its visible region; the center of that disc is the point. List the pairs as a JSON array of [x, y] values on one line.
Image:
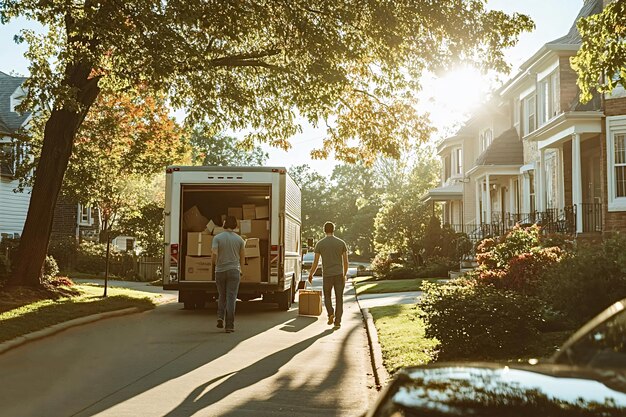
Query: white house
[[13, 205]]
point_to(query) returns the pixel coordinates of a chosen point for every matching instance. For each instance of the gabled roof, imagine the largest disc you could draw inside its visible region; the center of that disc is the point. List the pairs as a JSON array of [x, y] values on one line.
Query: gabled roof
[[10, 121], [506, 149]]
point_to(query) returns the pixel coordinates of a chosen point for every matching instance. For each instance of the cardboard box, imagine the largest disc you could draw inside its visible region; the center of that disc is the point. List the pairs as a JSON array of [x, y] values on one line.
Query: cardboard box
[[210, 226], [194, 221], [217, 231], [255, 228], [198, 268], [199, 244], [262, 212], [310, 302], [252, 270], [249, 212], [252, 248], [236, 212]]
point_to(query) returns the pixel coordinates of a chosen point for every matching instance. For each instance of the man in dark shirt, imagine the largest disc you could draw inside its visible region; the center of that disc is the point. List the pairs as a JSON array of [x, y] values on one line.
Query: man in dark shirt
[[334, 255]]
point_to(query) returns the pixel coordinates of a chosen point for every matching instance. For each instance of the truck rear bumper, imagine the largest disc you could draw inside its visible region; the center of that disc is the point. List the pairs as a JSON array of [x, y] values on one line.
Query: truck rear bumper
[[211, 287]]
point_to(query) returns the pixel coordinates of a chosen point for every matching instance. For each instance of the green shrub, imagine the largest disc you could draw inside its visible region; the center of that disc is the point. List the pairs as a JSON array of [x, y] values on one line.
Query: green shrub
[[479, 321], [402, 272], [437, 267], [381, 265], [63, 249], [4, 270], [50, 268], [588, 281], [91, 259]]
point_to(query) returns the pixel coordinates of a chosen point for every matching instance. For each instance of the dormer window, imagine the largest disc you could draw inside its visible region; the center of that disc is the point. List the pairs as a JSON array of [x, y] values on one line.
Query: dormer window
[[485, 139]]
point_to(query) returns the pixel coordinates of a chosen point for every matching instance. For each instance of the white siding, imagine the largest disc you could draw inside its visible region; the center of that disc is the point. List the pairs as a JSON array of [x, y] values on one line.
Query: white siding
[[13, 207]]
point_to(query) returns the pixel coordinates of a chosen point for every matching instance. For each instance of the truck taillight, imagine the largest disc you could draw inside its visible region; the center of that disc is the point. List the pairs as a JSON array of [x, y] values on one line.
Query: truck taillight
[[174, 254], [274, 248]]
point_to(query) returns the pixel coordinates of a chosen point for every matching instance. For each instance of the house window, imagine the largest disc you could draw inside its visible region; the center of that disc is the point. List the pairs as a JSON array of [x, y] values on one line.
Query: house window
[[9, 158], [616, 162], [457, 161], [84, 213], [485, 139], [530, 121], [531, 191], [549, 105], [619, 164]]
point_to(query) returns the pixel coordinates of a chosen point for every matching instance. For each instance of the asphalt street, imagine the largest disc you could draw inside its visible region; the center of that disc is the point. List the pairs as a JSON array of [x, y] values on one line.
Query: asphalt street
[[174, 362]]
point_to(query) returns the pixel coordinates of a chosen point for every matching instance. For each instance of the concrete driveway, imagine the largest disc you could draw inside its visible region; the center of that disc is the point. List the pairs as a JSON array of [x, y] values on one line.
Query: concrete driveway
[[173, 362]]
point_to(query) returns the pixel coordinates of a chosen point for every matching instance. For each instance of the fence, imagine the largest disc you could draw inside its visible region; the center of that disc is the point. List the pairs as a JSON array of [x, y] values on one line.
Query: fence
[[148, 268]]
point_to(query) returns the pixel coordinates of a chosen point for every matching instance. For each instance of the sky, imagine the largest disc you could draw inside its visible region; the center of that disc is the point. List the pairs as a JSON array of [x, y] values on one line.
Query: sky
[[552, 18]]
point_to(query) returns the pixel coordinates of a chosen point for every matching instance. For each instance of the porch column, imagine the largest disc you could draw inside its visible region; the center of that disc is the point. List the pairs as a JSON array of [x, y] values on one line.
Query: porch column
[[577, 182], [541, 181], [488, 195], [478, 198], [511, 195]]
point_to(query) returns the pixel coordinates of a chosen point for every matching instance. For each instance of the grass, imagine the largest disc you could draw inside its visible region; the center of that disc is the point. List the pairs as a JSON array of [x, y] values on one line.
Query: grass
[[402, 336], [24, 310], [394, 285]]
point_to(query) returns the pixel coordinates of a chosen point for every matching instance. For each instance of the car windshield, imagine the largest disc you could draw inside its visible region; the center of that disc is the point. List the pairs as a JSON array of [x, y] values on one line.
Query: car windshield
[[602, 347]]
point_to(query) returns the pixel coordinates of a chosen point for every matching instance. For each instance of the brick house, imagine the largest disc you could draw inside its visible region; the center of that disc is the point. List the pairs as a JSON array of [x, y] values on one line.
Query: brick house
[[75, 220], [535, 154]]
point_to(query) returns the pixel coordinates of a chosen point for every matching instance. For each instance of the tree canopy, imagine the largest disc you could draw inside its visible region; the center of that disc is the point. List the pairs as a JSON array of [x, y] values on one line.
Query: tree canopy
[[353, 66], [221, 150], [601, 60]]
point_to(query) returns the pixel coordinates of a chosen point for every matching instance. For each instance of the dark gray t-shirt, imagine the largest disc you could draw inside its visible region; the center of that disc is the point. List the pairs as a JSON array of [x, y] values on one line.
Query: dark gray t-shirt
[[228, 245], [331, 249]]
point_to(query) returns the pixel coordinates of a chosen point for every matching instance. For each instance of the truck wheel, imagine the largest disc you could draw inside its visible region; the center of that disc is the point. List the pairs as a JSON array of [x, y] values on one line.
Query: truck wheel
[[284, 300], [293, 291]]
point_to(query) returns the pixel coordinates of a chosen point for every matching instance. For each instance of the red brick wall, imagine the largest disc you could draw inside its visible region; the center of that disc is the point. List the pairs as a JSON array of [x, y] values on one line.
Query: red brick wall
[[612, 221], [615, 106], [567, 172], [64, 221]]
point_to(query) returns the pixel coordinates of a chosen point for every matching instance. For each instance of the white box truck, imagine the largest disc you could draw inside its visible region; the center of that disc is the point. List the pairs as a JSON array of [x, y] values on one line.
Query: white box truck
[[216, 191]]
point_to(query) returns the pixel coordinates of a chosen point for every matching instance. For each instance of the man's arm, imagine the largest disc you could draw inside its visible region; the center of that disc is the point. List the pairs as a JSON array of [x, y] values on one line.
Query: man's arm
[[314, 266], [214, 252], [345, 264], [242, 258]]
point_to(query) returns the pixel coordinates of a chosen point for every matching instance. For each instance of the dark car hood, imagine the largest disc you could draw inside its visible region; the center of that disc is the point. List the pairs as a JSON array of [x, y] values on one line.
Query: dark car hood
[[479, 389]]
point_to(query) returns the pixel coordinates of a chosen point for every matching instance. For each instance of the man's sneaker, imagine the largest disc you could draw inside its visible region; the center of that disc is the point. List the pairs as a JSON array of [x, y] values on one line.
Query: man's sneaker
[[230, 330], [337, 325], [331, 318], [220, 323]]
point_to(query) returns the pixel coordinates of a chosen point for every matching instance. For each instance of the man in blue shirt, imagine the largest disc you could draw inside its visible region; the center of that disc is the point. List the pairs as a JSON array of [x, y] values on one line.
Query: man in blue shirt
[[228, 258]]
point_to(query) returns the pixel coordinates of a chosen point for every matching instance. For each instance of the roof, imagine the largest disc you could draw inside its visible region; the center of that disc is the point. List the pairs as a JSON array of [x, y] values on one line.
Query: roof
[[590, 7], [10, 121], [445, 193], [506, 149]]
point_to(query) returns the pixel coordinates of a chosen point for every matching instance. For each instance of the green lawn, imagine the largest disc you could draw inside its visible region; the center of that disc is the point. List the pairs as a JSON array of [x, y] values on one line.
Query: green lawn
[[401, 336], [394, 285], [23, 311]]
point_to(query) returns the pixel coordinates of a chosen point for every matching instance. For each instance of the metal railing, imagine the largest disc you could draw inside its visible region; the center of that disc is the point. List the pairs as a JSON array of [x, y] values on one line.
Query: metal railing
[[592, 217]]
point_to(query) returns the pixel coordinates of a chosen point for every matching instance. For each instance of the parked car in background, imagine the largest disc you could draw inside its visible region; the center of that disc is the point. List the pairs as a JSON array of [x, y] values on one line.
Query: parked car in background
[[586, 377], [307, 263]]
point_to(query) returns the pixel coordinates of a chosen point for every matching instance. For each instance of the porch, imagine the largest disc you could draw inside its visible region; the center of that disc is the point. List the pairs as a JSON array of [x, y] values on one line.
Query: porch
[[562, 221]]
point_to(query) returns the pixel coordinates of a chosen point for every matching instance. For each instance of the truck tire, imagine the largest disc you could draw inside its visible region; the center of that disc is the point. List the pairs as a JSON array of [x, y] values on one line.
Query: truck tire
[[293, 290], [284, 300]]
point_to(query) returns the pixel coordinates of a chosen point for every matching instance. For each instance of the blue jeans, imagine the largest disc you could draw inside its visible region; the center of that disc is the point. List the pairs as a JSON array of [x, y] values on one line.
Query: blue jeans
[[338, 283], [227, 287]]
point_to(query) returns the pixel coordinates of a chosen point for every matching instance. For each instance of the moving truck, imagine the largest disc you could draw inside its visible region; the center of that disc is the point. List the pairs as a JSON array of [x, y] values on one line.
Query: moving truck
[[267, 205]]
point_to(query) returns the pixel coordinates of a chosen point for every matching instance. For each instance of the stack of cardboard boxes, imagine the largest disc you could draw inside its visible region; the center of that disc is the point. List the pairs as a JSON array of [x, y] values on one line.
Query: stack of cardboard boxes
[[253, 225]]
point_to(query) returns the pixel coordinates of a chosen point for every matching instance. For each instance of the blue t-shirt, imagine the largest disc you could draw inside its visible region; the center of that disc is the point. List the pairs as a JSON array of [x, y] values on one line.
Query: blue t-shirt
[[228, 245]]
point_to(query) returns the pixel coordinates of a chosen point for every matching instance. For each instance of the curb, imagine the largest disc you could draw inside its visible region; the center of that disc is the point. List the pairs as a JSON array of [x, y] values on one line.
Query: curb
[[381, 376], [59, 327]]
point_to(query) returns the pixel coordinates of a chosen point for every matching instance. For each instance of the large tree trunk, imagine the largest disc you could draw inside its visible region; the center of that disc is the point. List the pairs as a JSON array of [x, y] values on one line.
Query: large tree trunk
[[59, 135]]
